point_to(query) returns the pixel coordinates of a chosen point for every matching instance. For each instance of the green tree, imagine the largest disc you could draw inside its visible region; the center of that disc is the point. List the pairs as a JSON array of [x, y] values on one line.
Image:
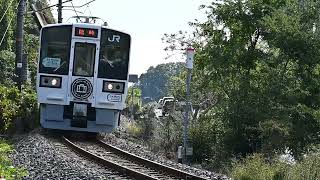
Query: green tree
[[17, 108], [260, 61], [154, 83]]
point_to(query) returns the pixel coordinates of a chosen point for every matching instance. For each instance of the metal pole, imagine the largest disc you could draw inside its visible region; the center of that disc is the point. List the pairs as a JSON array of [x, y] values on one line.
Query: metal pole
[[186, 117], [132, 103], [24, 71], [189, 65], [19, 42], [60, 11]]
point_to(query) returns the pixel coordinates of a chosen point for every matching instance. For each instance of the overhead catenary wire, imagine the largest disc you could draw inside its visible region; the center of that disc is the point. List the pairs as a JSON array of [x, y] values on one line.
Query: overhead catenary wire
[[5, 33], [5, 12], [39, 10], [75, 12], [81, 5], [87, 9]]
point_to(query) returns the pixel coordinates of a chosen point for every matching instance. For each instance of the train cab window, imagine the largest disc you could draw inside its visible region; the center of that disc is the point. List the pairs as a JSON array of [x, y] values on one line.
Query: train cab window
[[84, 57], [55, 50], [114, 55]]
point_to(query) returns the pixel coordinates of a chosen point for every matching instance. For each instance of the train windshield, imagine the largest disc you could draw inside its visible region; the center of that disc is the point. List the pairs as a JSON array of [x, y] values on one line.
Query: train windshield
[[114, 55], [84, 56], [55, 50]]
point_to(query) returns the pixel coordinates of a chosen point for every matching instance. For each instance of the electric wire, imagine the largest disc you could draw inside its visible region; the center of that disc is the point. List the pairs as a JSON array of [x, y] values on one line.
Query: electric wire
[[81, 5], [49, 7], [6, 10], [87, 10], [88, 7], [5, 33], [76, 12]]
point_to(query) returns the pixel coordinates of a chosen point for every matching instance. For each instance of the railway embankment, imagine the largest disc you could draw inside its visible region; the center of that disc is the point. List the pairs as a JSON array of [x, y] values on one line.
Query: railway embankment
[[125, 141], [144, 152], [44, 156]]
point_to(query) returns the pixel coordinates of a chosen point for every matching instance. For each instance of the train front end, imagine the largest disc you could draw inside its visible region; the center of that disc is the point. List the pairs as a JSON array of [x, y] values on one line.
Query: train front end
[[82, 77]]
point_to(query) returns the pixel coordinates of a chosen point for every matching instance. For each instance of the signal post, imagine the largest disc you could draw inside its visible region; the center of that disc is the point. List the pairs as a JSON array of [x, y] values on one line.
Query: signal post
[[189, 65]]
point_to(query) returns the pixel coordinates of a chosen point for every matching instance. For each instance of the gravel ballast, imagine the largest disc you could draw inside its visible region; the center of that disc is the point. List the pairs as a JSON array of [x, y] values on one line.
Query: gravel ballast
[[122, 142], [46, 157]]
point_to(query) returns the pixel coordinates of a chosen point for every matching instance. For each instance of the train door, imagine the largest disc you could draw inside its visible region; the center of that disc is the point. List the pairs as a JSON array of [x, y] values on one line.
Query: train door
[[82, 73]]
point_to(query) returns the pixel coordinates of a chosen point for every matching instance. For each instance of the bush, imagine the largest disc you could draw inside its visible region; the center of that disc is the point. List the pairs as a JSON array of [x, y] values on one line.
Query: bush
[[6, 169], [28, 109], [8, 107], [133, 129], [168, 134], [145, 120], [7, 59], [207, 135], [18, 110], [255, 167], [308, 168]]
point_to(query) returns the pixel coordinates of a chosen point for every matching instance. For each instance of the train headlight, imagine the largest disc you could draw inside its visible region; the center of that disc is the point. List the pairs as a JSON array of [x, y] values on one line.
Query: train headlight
[[113, 86], [110, 86], [54, 82], [50, 81]]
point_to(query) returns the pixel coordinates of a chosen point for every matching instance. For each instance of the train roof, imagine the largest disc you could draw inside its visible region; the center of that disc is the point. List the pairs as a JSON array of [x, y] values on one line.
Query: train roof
[[88, 25]]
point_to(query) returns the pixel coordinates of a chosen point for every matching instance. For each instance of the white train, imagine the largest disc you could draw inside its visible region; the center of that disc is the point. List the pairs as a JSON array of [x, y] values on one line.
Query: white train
[[82, 78]]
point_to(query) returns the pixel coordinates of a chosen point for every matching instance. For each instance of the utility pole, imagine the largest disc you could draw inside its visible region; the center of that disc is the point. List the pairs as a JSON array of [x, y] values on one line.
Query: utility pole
[[134, 79], [19, 42], [60, 11], [189, 66]]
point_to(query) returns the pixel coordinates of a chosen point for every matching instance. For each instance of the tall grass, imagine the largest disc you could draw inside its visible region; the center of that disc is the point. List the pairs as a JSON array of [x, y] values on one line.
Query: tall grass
[[255, 167], [307, 169]]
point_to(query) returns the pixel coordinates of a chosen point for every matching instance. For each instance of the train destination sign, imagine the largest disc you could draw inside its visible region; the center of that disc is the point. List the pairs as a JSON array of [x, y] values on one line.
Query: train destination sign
[[86, 32]]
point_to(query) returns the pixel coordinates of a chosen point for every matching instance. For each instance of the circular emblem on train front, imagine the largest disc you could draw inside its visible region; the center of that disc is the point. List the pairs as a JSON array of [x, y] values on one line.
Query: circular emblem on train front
[[81, 89]]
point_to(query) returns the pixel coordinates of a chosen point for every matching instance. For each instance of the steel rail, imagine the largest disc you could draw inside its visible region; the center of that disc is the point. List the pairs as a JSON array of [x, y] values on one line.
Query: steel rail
[[149, 163], [115, 166]]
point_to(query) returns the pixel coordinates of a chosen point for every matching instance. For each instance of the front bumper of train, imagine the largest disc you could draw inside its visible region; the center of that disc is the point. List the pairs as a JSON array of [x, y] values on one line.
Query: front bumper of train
[[62, 117]]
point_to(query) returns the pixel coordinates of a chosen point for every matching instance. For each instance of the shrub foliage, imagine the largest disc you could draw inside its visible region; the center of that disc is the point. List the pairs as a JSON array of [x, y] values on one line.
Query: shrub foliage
[[18, 110]]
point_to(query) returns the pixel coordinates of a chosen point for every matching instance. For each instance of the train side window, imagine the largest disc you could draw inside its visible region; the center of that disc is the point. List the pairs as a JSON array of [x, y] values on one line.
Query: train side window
[[55, 50], [84, 57]]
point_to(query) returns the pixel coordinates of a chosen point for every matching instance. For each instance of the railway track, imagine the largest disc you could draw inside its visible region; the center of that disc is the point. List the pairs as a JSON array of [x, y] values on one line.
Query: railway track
[[124, 162]]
